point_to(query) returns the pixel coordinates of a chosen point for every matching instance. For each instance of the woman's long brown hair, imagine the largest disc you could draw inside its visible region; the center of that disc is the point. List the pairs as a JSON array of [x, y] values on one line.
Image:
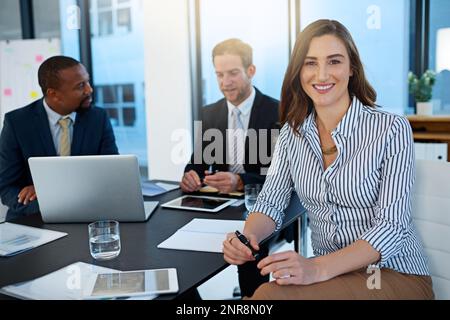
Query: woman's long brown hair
[[295, 103]]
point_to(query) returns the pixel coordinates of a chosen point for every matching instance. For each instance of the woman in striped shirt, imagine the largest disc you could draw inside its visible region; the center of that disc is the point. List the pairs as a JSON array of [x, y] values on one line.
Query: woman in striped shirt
[[352, 167]]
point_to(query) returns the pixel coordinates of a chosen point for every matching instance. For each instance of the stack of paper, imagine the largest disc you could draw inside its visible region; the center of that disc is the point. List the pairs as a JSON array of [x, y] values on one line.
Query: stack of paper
[[15, 238], [69, 283], [202, 235]]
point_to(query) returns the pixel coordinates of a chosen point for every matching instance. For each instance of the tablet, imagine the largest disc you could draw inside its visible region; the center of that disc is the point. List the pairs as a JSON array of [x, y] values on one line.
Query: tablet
[[134, 284], [199, 203]]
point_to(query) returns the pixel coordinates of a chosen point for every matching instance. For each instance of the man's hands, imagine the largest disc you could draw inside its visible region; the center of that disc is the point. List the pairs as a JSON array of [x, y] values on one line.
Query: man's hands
[[225, 182], [190, 182], [27, 195]]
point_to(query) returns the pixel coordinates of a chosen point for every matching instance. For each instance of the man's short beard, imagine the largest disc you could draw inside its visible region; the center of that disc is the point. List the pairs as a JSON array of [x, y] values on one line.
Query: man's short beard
[[82, 109]]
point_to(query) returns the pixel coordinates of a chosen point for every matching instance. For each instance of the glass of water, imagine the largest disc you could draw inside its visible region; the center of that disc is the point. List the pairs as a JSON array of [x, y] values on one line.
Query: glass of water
[[251, 194], [104, 239]]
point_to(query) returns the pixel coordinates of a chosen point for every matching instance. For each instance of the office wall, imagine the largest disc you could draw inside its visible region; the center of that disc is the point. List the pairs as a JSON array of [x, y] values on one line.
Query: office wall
[[19, 63], [168, 87]]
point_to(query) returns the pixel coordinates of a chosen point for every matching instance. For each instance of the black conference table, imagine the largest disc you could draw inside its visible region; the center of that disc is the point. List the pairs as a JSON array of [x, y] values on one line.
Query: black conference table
[[138, 247]]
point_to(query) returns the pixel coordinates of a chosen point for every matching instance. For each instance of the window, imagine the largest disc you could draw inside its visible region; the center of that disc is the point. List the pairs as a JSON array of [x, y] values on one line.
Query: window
[[105, 24], [249, 21], [124, 19], [439, 57], [10, 28], [111, 17], [380, 29], [61, 24], [118, 72], [118, 101], [46, 25]]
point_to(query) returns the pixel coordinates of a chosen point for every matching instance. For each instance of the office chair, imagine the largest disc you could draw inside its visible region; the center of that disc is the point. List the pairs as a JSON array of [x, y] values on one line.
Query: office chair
[[431, 215]]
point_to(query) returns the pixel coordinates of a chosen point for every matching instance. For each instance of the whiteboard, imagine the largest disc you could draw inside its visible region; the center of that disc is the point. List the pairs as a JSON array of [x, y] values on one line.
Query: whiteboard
[[19, 64]]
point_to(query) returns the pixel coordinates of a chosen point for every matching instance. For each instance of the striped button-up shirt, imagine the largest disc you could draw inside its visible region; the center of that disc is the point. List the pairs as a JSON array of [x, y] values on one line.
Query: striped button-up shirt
[[365, 194]]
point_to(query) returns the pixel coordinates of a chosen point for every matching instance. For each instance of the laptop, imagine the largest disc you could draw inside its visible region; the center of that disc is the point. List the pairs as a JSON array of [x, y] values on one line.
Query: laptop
[[3, 212], [89, 188]]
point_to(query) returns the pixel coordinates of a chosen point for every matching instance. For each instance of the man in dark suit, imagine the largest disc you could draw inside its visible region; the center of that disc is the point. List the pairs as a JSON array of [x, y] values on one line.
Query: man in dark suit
[[63, 123], [219, 163], [258, 116]]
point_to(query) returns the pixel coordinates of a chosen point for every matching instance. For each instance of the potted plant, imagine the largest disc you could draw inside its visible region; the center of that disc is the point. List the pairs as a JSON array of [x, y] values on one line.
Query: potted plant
[[421, 89]]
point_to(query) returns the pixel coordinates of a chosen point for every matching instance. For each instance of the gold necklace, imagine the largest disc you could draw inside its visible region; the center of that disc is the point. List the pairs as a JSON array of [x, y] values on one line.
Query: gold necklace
[[329, 151], [326, 151]]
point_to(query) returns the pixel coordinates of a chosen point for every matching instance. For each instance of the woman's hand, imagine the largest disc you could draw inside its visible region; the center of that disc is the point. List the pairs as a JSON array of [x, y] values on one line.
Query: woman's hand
[[291, 268], [235, 252]]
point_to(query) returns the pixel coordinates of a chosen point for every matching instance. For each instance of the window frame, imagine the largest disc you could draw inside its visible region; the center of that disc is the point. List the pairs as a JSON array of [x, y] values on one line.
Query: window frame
[[419, 44], [120, 104], [95, 12]]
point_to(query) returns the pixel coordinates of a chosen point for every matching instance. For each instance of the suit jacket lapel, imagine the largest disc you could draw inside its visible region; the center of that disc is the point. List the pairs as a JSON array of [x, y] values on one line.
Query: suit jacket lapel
[[255, 113], [223, 117], [254, 123], [43, 128], [78, 134], [222, 125]]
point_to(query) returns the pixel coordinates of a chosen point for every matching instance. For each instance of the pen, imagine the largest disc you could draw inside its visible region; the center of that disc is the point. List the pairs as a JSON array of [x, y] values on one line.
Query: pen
[[211, 169], [245, 241], [211, 172]]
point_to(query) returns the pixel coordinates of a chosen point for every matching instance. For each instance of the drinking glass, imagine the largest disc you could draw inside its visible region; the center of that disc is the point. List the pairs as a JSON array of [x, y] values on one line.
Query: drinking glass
[[104, 239]]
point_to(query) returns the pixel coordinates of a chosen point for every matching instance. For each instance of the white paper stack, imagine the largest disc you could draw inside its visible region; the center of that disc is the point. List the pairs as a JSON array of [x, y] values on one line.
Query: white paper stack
[[202, 235]]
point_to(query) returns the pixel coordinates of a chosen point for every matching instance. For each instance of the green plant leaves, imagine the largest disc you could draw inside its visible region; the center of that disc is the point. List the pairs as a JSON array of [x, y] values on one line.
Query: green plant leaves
[[422, 88]]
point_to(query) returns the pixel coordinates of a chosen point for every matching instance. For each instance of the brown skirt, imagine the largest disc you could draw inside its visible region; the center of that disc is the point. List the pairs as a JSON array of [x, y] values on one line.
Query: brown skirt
[[357, 285]]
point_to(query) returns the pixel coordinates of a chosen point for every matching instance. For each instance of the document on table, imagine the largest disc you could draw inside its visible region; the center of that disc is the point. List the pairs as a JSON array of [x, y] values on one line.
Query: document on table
[[15, 238], [202, 235], [68, 283], [150, 188]]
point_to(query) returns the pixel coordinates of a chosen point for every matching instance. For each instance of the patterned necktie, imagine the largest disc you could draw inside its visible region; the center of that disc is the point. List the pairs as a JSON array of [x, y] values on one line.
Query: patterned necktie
[[237, 143], [64, 142]]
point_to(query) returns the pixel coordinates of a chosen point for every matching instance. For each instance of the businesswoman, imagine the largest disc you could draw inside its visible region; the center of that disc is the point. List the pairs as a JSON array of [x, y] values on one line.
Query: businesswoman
[[352, 166]]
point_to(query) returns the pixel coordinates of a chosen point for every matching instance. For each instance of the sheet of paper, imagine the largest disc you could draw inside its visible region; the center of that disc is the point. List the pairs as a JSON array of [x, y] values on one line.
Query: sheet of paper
[[213, 226], [202, 235], [168, 186], [15, 238], [151, 189], [68, 283]]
